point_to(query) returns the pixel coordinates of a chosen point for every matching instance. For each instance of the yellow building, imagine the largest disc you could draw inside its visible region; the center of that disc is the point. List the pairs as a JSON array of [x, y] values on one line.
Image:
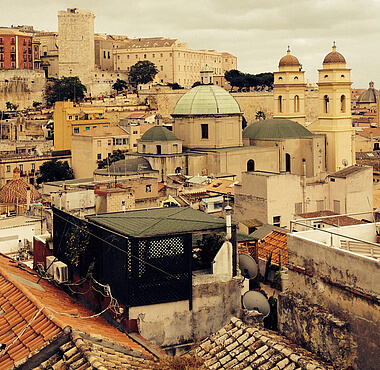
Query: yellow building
[[70, 119], [334, 118], [289, 90], [176, 63]]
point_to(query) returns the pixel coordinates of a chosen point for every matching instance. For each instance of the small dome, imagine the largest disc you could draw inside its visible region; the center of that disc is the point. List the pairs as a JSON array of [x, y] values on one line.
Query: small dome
[[289, 60], [15, 191], [159, 133], [275, 129], [334, 57], [208, 100], [125, 167], [370, 95]]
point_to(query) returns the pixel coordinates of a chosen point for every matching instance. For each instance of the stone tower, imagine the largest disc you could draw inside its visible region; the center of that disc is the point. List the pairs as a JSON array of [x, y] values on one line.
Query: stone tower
[[334, 118], [289, 90], [76, 44]]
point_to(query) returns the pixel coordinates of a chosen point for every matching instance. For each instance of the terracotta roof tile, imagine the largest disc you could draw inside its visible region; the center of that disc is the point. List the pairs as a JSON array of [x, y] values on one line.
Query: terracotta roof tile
[[240, 346], [23, 304]]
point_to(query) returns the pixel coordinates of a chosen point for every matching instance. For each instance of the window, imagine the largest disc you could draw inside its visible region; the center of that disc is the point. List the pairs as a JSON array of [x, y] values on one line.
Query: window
[[134, 132], [93, 126], [296, 103], [287, 162], [326, 103], [99, 156], [204, 131], [175, 148], [76, 130], [343, 104], [87, 128], [70, 117], [251, 165], [276, 221], [135, 145], [161, 55], [280, 104], [143, 148], [1, 40], [162, 68], [86, 116], [100, 115], [99, 143], [336, 206], [109, 56], [298, 208], [33, 166], [8, 168], [13, 41], [76, 118], [144, 56], [104, 54], [148, 188], [153, 55], [158, 149], [21, 166], [109, 142]]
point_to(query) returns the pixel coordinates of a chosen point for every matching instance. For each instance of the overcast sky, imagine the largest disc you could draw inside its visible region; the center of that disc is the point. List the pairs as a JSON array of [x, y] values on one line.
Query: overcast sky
[[256, 31]]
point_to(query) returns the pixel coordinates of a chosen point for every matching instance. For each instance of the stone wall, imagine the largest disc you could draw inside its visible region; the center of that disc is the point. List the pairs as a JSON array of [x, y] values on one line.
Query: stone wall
[[21, 87], [339, 315], [164, 99]]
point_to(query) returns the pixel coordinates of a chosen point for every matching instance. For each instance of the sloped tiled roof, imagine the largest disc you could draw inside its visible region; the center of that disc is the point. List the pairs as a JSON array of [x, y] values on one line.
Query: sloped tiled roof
[[15, 191], [24, 328], [265, 230], [335, 219], [275, 242], [21, 297], [238, 346], [104, 131], [347, 171], [158, 221]]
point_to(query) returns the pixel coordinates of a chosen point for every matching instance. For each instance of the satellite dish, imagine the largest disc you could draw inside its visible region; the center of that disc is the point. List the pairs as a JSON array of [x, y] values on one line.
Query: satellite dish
[[253, 300], [248, 266], [345, 162]]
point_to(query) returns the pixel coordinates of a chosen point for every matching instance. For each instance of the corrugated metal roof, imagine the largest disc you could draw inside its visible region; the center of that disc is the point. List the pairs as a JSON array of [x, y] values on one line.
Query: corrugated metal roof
[[158, 221]]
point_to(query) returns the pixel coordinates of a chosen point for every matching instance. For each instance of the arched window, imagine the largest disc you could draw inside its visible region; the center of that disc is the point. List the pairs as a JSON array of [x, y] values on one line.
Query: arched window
[[178, 170], [143, 148], [343, 104], [158, 149], [287, 162], [250, 165], [296, 103], [326, 104], [280, 104]]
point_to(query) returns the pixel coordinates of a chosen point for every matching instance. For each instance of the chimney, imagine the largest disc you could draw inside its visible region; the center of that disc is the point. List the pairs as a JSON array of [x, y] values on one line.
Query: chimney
[[28, 198]]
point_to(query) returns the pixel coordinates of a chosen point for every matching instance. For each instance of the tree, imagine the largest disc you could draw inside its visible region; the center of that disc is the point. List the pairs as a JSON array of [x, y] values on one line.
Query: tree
[[120, 85], [63, 89], [142, 72], [260, 115], [11, 106], [117, 155], [246, 80], [36, 104], [55, 170]]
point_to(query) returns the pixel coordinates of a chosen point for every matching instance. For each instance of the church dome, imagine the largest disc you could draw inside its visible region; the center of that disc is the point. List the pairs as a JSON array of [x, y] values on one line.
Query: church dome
[[15, 191], [334, 57], [289, 60], [206, 99], [158, 133], [370, 95], [275, 129], [125, 167]]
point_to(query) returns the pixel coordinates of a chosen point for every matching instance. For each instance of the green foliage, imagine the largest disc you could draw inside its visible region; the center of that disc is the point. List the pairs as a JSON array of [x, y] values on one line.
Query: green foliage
[[175, 86], [260, 115], [36, 104], [120, 85], [142, 72], [245, 81], [206, 250], [196, 83], [77, 242], [64, 89], [55, 170], [117, 155], [11, 106]]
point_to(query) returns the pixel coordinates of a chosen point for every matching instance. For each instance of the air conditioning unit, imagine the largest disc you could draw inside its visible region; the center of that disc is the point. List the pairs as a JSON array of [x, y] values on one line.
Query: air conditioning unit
[[61, 272], [49, 265]]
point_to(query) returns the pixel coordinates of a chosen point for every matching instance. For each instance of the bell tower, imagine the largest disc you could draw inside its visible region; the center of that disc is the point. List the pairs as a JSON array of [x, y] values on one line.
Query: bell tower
[[334, 118], [289, 90]]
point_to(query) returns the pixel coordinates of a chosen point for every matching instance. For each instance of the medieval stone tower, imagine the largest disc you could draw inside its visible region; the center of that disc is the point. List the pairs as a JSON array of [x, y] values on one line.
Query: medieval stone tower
[[289, 90], [76, 44]]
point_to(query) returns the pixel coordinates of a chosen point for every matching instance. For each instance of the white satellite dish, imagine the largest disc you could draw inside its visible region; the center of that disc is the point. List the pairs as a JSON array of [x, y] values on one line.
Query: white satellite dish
[[248, 266], [253, 300]]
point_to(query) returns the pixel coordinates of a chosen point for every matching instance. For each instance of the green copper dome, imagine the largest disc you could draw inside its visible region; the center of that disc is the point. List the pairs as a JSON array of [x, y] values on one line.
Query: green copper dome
[[158, 133], [206, 99], [275, 129]]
